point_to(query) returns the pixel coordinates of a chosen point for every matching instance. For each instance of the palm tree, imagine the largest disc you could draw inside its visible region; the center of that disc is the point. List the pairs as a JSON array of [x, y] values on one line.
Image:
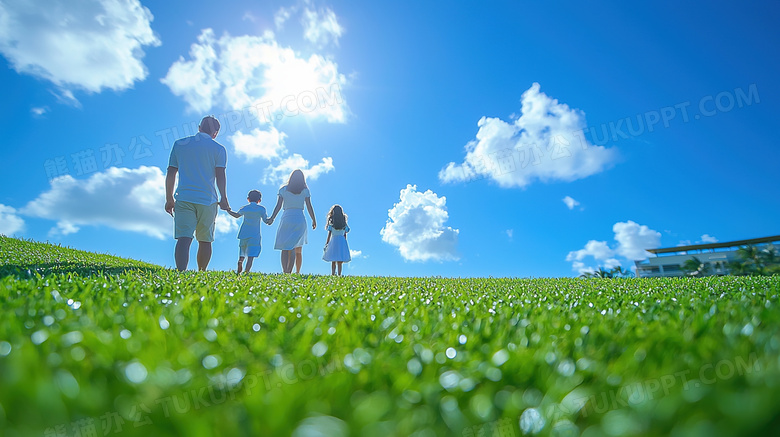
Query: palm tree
[[694, 267], [751, 257], [738, 268], [769, 255], [620, 272], [600, 273]]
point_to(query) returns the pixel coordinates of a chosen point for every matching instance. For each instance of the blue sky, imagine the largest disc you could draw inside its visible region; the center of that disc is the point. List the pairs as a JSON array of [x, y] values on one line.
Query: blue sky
[[496, 139]]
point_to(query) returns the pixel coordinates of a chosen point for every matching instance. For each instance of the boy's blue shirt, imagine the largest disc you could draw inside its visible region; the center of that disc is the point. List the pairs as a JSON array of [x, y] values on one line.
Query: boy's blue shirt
[[253, 215]]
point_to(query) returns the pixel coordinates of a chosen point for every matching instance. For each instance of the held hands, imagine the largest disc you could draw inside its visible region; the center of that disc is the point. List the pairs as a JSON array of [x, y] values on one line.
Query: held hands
[[223, 204], [269, 221], [169, 204]]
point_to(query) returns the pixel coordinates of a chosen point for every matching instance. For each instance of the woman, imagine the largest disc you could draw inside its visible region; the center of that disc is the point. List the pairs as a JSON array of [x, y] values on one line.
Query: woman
[[291, 234]]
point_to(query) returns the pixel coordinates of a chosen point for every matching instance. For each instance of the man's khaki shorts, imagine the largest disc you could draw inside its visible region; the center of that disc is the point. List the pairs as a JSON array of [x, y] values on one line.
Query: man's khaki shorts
[[192, 218]]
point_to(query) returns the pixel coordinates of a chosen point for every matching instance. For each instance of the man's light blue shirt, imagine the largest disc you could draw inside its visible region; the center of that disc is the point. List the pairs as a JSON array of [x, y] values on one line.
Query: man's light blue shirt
[[197, 158]]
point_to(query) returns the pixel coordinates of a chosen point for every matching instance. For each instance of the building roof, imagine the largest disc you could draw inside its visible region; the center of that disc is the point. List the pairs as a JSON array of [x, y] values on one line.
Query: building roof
[[718, 245]]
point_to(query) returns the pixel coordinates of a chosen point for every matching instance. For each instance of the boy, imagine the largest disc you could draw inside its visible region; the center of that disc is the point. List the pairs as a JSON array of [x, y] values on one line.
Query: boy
[[249, 233]]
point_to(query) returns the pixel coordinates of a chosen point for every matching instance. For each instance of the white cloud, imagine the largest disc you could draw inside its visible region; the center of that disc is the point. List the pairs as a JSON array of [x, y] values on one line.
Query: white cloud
[[63, 228], [256, 72], [570, 203], [10, 222], [544, 143], [321, 27], [707, 238], [225, 224], [120, 198], [66, 97], [39, 111], [356, 253], [416, 226], [581, 268], [510, 233], [280, 172], [265, 144], [91, 45], [282, 15], [634, 238], [248, 16], [599, 250]]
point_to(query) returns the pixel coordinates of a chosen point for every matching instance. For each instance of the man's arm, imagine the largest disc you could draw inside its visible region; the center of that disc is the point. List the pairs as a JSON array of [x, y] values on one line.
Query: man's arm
[[221, 186], [234, 214], [170, 182]]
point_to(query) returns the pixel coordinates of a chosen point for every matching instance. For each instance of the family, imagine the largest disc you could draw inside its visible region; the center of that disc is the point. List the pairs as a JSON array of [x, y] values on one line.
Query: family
[[194, 202]]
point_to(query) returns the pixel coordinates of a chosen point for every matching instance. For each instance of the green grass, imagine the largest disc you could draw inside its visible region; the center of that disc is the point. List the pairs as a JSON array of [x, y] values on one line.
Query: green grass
[[95, 342]]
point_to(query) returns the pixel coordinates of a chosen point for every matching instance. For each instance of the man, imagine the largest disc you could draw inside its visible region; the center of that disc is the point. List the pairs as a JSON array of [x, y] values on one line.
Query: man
[[199, 161]]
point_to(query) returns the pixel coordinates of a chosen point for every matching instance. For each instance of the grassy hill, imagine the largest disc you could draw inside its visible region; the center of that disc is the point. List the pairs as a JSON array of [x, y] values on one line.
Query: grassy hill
[[98, 345]]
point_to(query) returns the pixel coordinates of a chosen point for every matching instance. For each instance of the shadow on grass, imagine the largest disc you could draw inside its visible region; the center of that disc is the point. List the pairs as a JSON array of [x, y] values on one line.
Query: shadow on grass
[[79, 268]]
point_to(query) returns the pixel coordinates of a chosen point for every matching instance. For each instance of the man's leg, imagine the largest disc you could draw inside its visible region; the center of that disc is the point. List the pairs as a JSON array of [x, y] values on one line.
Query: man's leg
[[206, 216], [184, 223], [182, 253], [298, 259], [240, 264], [249, 262], [204, 254]]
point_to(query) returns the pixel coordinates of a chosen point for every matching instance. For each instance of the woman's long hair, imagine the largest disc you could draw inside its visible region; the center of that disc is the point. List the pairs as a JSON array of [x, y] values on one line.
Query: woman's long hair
[[297, 182], [336, 217]]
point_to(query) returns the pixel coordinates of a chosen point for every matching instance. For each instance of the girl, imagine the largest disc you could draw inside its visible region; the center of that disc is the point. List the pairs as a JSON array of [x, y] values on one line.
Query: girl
[[291, 234], [336, 248]]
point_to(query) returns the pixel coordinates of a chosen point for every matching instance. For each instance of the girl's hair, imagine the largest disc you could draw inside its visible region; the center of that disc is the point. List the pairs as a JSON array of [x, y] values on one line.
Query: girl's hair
[[336, 217], [296, 183]]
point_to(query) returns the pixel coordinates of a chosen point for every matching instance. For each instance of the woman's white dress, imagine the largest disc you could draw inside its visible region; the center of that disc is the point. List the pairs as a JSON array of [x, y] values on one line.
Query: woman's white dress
[[292, 230], [337, 249]]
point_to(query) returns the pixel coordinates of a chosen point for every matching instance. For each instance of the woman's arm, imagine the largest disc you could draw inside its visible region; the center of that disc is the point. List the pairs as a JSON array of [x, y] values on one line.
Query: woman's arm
[[276, 209], [311, 213], [328, 240]]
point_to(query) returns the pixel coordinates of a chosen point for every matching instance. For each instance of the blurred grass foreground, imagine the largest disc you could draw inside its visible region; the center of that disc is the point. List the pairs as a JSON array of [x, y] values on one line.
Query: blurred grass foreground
[[95, 345]]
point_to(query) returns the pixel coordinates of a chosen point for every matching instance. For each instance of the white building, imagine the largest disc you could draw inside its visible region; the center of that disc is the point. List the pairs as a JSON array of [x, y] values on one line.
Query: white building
[[668, 261]]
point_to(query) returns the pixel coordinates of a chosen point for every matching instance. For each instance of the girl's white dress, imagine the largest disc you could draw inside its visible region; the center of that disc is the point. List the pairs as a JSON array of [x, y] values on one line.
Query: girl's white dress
[[337, 249]]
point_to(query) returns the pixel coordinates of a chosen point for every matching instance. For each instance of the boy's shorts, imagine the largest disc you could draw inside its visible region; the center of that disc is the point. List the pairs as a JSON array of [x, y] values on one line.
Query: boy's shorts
[[249, 247], [193, 218]]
